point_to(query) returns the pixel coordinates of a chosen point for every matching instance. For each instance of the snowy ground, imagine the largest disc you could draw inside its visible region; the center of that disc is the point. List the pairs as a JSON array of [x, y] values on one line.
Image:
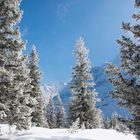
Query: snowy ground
[[63, 134]]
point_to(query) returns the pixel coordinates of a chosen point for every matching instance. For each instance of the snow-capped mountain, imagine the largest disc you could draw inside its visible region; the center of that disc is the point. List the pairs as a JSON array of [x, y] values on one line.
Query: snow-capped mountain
[[51, 90], [103, 87]]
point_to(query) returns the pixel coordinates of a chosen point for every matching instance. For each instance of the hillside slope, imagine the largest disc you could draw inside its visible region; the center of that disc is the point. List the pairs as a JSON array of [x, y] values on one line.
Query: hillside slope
[[63, 134]]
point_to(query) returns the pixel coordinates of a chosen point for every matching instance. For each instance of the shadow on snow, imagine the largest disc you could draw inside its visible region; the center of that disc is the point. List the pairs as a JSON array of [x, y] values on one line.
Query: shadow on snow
[[52, 138]]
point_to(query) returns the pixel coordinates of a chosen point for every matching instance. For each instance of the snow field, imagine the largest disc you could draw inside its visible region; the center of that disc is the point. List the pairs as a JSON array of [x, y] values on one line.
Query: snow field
[[37, 133]]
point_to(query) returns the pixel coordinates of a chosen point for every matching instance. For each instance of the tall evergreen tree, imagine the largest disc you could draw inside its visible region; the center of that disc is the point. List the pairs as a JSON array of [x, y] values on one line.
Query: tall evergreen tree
[[126, 80], [51, 117], [83, 101], [60, 114], [14, 75], [38, 115]]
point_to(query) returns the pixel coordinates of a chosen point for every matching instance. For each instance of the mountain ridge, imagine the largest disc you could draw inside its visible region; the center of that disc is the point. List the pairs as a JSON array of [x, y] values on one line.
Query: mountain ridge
[[103, 87]]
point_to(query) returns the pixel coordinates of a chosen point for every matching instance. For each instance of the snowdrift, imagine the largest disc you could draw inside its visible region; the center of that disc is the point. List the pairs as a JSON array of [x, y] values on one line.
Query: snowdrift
[[37, 133]]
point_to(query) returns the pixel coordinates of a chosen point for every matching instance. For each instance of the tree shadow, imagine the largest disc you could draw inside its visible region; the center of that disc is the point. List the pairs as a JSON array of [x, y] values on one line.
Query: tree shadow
[[52, 138]]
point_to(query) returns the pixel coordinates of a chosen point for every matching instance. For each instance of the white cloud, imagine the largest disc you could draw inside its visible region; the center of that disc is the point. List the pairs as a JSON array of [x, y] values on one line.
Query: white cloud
[[24, 32], [63, 9]]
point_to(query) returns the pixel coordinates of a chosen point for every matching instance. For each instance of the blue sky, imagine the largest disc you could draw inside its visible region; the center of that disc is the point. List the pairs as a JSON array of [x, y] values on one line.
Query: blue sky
[[54, 26]]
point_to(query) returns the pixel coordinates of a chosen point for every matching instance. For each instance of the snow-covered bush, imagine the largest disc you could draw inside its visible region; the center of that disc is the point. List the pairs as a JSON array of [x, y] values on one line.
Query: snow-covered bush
[[83, 126], [75, 126], [2, 115]]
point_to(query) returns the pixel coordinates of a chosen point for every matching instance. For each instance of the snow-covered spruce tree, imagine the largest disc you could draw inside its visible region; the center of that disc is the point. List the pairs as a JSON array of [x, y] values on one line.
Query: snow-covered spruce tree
[[107, 123], [14, 86], [100, 119], [126, 80], [38, 115], [117, 124], [115, 121], [83, 101], [4, 82], [51, 117], [60, 114], [2, 113], [46, 125], [75, 126]]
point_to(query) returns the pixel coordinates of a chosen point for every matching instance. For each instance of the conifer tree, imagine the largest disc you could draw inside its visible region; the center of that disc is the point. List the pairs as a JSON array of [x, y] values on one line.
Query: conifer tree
[[46, 125], [117, 124], [14, 75], [126, 80], [51, 117], [38, 115], [100, 119], [60, 114], [107, 123], [83, 101], [2, 113], [115, 121], [75, 126]]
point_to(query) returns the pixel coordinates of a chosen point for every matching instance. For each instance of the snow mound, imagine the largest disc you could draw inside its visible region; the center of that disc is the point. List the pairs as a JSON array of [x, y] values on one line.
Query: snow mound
[[37, 133]]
